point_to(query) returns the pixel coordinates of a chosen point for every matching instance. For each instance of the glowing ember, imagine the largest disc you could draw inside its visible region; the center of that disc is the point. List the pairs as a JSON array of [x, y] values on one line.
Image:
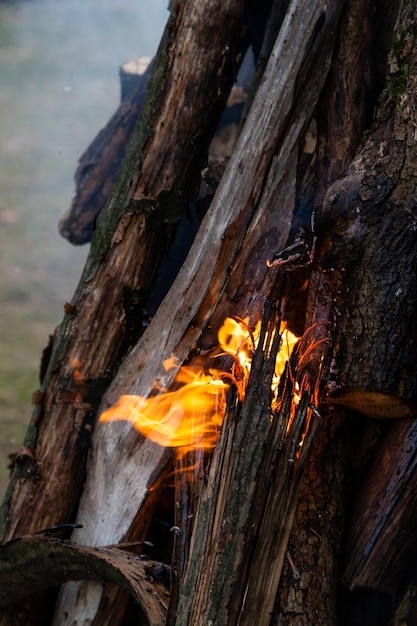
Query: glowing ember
[[190, 417]]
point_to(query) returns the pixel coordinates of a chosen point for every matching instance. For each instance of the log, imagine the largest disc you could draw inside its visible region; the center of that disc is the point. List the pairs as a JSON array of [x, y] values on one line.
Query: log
[[368, 236], [308, 591], [245, 514], [380, 542], [363, 255], [101, 163], [46, 561]]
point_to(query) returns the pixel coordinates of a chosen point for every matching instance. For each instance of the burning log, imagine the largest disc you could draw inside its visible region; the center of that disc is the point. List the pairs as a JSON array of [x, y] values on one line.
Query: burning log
[[245, 514]]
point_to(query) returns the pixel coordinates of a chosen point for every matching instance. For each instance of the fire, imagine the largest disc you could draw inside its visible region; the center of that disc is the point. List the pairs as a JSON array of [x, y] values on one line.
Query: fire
[[236, 339], [190, 417]]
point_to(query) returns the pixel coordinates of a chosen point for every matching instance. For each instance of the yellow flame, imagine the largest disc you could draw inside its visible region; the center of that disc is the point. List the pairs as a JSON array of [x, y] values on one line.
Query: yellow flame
[[191, 416], [188, 417]]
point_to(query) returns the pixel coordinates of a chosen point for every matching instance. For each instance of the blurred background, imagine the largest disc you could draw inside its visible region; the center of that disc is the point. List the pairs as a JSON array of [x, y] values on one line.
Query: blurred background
[[59, 62]]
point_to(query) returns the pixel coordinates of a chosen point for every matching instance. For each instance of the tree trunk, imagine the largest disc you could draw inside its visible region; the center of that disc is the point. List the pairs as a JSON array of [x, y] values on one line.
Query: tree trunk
[[301, 159]]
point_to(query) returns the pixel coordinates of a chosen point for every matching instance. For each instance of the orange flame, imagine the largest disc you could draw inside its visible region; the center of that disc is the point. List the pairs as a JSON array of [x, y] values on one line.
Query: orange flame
[[191, 416], [236, 339]]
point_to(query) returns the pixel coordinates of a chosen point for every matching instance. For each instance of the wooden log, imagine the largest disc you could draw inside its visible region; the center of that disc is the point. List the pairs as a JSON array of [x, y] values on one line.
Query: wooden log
[[362, 257], [45, 561], [380, 534], [308, 589], [245, 513], [101, 163], [369, 234]]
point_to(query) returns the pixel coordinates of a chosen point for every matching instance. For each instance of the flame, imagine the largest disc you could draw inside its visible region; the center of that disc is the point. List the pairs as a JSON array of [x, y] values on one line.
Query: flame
[[190, 417], [237, 339]]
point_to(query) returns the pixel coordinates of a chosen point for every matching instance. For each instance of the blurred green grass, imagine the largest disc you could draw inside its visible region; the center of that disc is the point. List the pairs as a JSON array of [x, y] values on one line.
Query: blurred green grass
[[59, 85]]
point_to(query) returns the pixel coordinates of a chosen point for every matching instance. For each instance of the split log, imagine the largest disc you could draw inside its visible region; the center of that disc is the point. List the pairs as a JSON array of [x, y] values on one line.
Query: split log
[[245, 514]]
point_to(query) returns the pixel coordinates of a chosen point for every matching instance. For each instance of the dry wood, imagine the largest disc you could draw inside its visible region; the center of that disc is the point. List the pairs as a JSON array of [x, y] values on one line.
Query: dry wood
[[100, 165], [245, 513], [47, 562], [381, 538]]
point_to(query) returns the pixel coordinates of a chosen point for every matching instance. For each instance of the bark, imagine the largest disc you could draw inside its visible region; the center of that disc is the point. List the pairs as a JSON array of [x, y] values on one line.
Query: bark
[[308, 590], [365, 229], [368, 222], [47, 562]]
